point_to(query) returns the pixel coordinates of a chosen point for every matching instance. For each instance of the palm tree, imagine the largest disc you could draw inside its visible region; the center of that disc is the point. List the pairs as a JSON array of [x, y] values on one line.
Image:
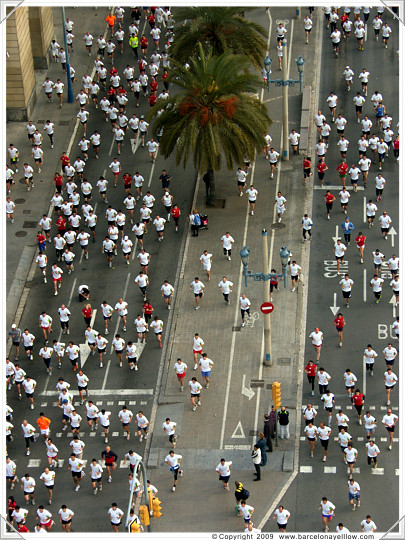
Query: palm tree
[[216, 114], [222, 29]]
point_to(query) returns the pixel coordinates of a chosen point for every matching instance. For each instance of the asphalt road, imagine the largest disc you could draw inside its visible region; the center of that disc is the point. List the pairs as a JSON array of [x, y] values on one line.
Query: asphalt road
[[109, 387], [366, 322]]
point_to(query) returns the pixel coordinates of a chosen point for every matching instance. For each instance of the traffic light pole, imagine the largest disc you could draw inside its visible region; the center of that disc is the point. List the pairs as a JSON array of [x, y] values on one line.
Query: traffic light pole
[[145, 490]]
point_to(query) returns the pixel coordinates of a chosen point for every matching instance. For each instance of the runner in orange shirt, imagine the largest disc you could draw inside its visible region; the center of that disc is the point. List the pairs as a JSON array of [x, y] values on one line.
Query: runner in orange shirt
[[43, 424], [111, 22]]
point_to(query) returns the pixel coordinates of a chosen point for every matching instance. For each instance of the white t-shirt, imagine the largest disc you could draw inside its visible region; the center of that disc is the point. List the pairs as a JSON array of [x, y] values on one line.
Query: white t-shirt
[[169, 427], [316, 338], [224, 468], [368, 526]]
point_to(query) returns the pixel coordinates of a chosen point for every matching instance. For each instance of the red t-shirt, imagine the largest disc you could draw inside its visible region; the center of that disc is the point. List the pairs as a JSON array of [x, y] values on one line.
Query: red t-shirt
[[127, 178], [152, 100], [61, 223], [342, 169], [395, 142], [310, 370], [65, 160], [87, 312], [175, 212], [329, 197], [339, 322], [358, 399], [321, 167], [147, 309], [41, 238], [58, 179], [361, 240], [144, 44], [306, 164], [153, 86]]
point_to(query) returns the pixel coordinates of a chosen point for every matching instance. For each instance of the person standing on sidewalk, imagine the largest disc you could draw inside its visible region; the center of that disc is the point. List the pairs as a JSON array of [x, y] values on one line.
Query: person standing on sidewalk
[[261, 443], [257, 459], [268, 431], [174, 461], [224, 471], [283, 419]]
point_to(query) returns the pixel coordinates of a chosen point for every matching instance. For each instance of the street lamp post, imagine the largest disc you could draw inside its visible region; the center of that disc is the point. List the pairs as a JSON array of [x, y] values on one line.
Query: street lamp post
[[265, 276], [71, 98], [141, 465], [285, 83]]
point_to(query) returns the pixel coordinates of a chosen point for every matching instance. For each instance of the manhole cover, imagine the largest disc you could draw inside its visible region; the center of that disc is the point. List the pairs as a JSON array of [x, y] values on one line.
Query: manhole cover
[[20, 201], [26, 211], [22, 181], [64, 122], [278, 226], [20, 234], [29, 224]]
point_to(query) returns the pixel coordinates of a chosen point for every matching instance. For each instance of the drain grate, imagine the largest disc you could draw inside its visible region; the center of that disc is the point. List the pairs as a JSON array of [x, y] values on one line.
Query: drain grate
[[26, 211], [236, 328], [219, 203], [276, 226], [256, 383], [30, 224], [64, 123], [284, 361]]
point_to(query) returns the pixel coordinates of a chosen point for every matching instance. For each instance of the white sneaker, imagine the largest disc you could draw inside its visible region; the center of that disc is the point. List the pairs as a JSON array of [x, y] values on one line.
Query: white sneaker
[[194, 408], [140, 438], [173, 488], [109, 479], [77, 488], [195, 366]]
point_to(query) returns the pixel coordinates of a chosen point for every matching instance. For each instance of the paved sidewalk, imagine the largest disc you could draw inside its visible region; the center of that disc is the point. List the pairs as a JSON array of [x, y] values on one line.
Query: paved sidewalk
[[204, 436]]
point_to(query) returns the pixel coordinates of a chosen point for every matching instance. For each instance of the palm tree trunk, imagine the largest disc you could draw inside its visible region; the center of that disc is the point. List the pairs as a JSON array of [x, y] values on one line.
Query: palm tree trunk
[[210, 187]]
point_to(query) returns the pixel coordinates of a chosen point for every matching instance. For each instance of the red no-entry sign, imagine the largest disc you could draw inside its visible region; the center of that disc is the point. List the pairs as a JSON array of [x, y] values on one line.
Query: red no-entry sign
[[267, 307]]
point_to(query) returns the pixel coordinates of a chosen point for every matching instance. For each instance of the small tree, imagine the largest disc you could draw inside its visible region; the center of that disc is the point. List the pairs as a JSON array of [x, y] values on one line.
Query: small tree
[[214, 116]]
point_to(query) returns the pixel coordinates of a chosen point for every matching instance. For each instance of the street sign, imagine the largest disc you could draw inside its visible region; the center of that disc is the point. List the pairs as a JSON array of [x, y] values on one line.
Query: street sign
[[267, 307]]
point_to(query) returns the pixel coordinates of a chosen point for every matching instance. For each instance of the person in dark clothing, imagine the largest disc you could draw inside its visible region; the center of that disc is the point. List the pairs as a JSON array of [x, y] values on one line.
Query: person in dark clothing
[[268, 430], [283, 419], [261, 443], [206, 180], [257, 459]]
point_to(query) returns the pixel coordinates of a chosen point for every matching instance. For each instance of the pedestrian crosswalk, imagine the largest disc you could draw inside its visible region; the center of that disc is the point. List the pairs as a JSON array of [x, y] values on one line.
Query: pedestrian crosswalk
[[309, 469], [107, 403], [361, 439], [42, 463], [350, 407]]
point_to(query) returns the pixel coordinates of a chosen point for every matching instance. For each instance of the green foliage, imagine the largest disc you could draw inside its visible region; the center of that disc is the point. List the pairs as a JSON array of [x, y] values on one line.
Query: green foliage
[[216, 114], [221, 29]]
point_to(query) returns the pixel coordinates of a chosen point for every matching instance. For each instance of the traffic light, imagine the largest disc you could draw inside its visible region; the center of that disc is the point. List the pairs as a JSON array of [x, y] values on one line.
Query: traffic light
[[157, 509], [144, 513], [135, 527], [276, 392]]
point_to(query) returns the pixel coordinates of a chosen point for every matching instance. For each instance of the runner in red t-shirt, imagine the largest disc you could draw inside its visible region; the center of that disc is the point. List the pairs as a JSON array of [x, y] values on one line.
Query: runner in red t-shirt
[[127, 179], [361, 242], [58, 179], [306, 164], [358, 402], [339, 322], [329, 198], [321, 168], [65, 160], [342, 170], [175, 213], [310, 370]]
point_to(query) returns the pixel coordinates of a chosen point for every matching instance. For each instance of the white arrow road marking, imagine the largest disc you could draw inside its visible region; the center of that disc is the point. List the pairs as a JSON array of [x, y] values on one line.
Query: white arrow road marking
[[336, 237], [392, 232], [248, 392], [334, 309], [135, 144], [84, 353], [238, 433], [393, 301]]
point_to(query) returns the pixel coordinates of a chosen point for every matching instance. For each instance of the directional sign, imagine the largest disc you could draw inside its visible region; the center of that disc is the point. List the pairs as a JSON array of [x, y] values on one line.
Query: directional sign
[[334, 309], [392, 232], [267, 307], [248, 392]]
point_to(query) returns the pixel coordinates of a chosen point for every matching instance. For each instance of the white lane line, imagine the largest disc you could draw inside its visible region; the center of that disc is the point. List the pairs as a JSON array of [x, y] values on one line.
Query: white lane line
[[93, 316], [119, 318], [109, 392], [364, 285], [112, 145], [106, 375], [364, 378], [152, 169], [364, 209], [71, 292]]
